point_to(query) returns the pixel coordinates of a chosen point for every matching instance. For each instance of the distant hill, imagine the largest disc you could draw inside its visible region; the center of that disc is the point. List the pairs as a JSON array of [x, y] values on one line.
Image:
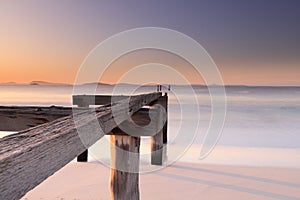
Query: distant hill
[[9, 83], [46, 83], [95, 83]]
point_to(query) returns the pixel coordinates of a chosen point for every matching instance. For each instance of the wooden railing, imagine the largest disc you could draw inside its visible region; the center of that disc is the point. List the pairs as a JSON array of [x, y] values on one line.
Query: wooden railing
[[30, 156]]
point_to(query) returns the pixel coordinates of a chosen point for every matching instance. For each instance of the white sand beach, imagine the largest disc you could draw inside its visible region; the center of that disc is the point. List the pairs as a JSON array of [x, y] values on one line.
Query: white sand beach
[[178, 181]]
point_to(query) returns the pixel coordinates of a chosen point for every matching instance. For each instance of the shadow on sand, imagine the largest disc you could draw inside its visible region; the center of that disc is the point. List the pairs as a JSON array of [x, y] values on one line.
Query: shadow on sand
[[230, 186]]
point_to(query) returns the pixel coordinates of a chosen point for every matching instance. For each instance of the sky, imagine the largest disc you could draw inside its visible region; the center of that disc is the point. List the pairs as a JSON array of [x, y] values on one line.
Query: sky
[[252, 42]]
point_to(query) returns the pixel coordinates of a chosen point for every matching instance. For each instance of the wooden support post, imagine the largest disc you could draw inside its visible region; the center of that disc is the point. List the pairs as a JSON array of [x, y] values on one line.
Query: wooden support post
[[124, 172], [83, 157], [163, 100], [157, 142]]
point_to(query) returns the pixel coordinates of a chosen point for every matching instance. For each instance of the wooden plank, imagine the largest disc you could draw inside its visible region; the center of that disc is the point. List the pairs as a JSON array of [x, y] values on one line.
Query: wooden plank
[[124, 171], [29, 157], [19, 118], [96, 99]]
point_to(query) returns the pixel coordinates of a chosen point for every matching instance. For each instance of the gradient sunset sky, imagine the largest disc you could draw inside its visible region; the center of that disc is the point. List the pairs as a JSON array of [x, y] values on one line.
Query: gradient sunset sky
[[252, 42]]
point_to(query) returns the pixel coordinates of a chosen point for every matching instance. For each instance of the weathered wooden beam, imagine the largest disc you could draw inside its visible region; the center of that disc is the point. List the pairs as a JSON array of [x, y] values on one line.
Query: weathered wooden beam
[[124, 172], [30, 156], [96, 99], [18, 118]]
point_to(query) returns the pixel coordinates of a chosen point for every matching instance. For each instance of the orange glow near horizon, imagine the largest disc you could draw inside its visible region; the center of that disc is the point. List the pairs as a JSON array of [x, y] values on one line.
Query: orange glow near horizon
[[24, 62], [60, 70]]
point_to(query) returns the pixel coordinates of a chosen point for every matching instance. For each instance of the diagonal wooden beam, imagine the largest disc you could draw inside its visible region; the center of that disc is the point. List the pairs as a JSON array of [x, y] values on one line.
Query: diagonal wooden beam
[[30, 156]]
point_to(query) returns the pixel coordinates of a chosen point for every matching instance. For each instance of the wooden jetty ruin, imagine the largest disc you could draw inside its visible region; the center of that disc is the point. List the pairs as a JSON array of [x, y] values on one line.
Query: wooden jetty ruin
[[48, 139]]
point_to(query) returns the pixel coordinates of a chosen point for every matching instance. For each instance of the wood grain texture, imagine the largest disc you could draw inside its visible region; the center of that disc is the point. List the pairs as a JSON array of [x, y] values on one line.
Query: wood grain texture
[[157, 141], [30, 156], [82, 100], [124, 172]]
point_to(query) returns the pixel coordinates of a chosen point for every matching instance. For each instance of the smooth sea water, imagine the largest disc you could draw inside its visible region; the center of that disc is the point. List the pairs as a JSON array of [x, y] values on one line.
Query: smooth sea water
[[262, 124]]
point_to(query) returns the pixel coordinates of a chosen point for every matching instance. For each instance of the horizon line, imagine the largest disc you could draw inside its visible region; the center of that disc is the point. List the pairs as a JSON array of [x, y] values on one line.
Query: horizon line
[[103, 83]]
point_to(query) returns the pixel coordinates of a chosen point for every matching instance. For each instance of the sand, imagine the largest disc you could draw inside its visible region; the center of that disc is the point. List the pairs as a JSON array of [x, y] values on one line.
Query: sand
[[178, 181]]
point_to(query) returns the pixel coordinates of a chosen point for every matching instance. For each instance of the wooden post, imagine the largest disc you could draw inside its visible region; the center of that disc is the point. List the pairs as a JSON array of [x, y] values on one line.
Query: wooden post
[[157, 142], [163, 100], [124, 172], [83, 157]]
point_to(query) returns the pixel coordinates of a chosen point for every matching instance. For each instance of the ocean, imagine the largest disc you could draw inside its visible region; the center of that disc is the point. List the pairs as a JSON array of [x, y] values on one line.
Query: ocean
[[262, 124]]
